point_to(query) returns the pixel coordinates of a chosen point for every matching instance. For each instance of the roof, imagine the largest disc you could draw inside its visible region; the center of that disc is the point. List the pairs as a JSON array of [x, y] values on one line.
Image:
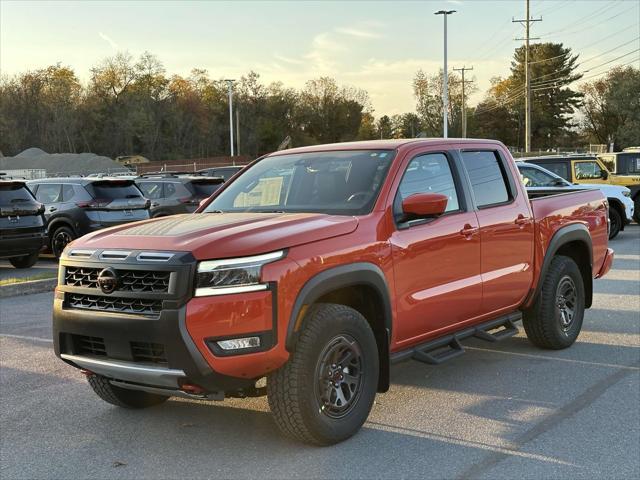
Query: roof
[[392, 144], [579, 156], [79, 180]]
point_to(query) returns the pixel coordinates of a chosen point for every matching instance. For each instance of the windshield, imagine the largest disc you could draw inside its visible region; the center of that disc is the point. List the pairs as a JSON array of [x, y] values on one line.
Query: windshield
[[336, 183]]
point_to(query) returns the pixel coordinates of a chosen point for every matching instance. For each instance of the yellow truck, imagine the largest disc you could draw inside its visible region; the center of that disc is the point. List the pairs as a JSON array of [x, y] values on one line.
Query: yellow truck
[[619, 168]]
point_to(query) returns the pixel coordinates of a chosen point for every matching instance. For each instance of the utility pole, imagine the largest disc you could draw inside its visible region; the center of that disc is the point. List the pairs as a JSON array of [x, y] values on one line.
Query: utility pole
[[230, 85], [237, 132], [445, 80], [464, 103], [526, 23]]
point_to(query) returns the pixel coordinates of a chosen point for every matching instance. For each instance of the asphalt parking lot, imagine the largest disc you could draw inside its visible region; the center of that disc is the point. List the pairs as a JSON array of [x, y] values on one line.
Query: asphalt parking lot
[[506, 410]]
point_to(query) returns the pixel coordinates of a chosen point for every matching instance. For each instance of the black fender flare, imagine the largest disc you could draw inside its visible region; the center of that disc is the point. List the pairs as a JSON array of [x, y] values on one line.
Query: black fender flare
[[570, 233], [353, 274], [60, 222]]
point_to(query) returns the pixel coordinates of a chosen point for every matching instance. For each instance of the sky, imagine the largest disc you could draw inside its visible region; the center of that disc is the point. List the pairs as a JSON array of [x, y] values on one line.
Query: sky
[[374, 45]]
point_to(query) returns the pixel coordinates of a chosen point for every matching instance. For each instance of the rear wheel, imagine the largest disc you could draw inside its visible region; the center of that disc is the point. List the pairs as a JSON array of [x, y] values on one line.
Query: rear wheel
[[555, 320], [26, 261], [123, 397], [324, 393], [615, 220], [60, 238]]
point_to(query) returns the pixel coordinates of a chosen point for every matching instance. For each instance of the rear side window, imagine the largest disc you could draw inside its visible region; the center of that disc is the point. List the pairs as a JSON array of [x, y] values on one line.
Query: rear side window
[[559, 168], [114, 190], [49, 193], [14, 193], [68, 192], [488, 180], [430, 174]]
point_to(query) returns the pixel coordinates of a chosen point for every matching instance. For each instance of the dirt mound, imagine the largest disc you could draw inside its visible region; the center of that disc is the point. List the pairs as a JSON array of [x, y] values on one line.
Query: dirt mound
[[60, 163]]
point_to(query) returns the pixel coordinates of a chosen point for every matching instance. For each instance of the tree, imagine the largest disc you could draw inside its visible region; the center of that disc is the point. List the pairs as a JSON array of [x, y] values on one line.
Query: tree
[[553, 103], [612, 108], [385, 128], [428, 92], [497, 116]]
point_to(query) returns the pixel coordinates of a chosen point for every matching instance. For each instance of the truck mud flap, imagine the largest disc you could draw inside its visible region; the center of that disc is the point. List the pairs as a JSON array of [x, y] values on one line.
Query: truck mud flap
[[435, 352]]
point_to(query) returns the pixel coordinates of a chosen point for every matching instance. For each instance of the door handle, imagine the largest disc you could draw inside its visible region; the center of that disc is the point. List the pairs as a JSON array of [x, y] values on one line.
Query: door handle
[[468, 231], [522, 220], [52, 209]]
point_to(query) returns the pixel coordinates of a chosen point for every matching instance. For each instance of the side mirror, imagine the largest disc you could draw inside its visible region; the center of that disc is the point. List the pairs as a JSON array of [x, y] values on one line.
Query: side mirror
[[421, 205], [604, 174]]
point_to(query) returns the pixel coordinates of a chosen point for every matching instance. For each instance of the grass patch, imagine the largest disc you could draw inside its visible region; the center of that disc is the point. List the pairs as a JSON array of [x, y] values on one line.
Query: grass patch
[[37, 276]]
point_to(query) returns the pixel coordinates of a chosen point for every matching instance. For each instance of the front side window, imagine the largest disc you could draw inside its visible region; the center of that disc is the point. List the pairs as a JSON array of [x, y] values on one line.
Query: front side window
[[488, 180], [430, 173], [532, 177], [49, 193], [335, 183], [588, 171]]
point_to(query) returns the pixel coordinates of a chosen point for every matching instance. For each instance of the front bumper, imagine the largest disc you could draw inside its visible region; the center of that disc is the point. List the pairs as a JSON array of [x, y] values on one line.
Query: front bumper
[[184, 362], [185, 329]]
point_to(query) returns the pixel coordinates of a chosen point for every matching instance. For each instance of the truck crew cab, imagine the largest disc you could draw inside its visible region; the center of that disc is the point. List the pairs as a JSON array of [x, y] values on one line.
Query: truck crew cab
[[318, 267]]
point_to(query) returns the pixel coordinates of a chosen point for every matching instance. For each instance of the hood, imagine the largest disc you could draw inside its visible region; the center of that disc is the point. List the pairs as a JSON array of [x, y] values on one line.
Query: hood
[[615, 190], [221, 235]]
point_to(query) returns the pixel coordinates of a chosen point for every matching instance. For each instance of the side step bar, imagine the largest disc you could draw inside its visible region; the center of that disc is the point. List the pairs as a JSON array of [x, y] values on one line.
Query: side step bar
[[435, 352]]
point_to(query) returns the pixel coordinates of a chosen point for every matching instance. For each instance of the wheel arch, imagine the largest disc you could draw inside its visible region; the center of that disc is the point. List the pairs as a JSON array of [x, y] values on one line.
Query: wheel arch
[[573, 241], [617, 204], [361, 286], [57, 222]]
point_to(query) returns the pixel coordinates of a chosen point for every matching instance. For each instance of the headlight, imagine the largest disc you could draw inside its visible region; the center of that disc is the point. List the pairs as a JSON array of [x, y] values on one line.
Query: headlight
[[233, 275], [626, 193]]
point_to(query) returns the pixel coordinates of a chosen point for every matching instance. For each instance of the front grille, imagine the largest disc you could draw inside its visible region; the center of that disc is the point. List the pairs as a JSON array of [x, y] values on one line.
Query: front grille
[[148, 352], [114, 304], [89, 345], [130, 280]]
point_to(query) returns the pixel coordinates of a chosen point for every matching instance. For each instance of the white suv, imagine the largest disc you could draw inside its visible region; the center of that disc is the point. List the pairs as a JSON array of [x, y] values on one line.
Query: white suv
[[536, 178]]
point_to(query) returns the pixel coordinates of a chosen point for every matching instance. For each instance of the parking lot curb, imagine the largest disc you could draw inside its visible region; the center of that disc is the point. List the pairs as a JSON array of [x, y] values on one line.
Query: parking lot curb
[[28, 288]]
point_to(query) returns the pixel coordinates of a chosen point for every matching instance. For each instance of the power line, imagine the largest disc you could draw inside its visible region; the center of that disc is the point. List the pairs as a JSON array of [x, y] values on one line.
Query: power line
[[587, 27]]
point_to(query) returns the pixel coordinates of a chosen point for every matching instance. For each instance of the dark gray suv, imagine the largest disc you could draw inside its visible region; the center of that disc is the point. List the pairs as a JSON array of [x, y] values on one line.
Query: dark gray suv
[[174, 193], [77, 206]]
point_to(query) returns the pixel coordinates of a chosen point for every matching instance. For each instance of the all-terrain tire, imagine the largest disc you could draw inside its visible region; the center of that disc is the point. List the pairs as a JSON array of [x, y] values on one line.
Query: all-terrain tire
[[615, 222], [27, 261], [296, 390], [123, 397], [544, 322]]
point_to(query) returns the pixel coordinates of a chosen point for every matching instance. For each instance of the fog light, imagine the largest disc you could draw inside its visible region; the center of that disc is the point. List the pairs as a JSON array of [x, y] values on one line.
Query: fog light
[[239, 343]]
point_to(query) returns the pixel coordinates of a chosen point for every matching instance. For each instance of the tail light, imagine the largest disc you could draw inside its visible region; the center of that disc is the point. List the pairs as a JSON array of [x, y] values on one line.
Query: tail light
[[96, 203]]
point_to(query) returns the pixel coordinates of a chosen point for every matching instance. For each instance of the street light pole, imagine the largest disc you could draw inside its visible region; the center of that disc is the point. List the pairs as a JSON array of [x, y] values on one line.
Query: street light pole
[[445, 81], [230, 85]]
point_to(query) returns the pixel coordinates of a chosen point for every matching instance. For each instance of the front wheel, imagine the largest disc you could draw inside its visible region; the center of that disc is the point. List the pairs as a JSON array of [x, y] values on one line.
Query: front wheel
[[555, 320], [324, 393], [615, 223], [26, 261], [61, 237]]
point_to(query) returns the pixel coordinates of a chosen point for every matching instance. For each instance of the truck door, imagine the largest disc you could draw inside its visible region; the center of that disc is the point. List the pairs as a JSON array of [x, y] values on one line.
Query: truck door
[[436, 261], [506, 230]]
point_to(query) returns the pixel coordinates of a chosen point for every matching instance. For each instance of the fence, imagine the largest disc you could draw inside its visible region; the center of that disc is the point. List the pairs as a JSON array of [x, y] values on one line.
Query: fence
[[191, 165]]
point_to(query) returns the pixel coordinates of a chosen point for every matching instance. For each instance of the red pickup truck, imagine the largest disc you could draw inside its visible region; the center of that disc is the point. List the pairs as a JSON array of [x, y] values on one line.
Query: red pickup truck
[[316, 268]]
